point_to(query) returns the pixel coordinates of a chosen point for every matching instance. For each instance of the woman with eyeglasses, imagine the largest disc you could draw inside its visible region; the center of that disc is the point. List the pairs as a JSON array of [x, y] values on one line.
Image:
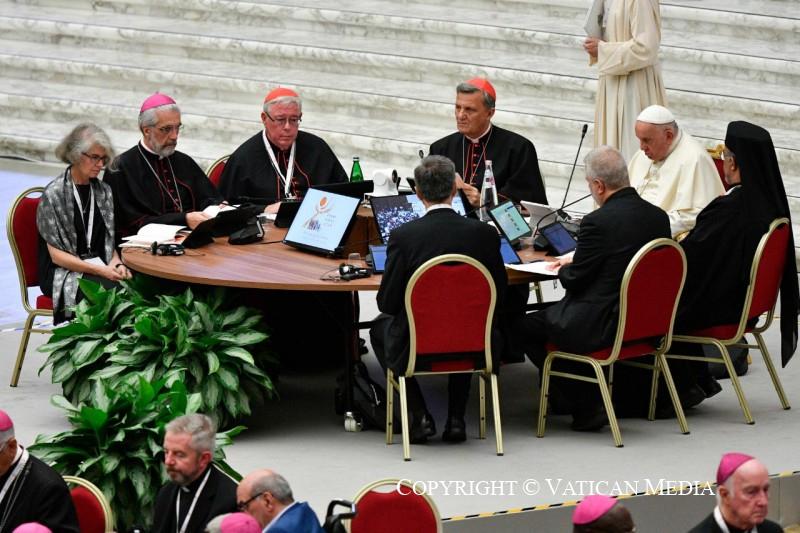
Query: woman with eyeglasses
[[75, 219]]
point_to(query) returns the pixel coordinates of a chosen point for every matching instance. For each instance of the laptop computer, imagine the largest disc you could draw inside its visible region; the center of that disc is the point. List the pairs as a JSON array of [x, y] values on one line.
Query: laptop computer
[[377, 257], [225, 223], [540, 214], [510, 222], [393, 211], [322, 222]]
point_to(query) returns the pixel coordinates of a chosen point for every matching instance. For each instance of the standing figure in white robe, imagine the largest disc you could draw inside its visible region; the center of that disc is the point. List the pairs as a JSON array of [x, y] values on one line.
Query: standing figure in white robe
[[628, 69], [672, 170]]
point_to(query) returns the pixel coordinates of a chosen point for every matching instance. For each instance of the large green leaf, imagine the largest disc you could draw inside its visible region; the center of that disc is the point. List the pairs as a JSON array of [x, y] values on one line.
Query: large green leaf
[[242, 339], [213, 362], [83, 350], [237, 352], [231, 319], [228, 379]]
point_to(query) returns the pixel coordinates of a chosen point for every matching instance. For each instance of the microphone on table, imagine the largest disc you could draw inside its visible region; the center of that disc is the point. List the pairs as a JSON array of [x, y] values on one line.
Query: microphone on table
[[556, 211], [560, 210]]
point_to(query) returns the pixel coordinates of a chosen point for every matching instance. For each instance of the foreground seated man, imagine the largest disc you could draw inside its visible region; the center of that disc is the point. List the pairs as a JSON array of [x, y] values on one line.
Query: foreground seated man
[[440, 231], [514, 162], [720, 248], [31, 491], [586, 318], [742, 498], [672, 170], [153, 182], [266, 496], [280, 161], [601, 514], [198, 490]]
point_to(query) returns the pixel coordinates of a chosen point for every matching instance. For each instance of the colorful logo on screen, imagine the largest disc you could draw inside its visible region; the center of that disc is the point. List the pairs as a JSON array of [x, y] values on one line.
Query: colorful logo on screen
[[313, 223]]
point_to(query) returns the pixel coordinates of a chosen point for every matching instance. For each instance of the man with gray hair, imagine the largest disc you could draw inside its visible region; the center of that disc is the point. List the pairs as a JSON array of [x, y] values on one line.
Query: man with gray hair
[[153, 182], [672, 170], [514, 161], [199, 491], [31, 491], [280, 161], [266, 496], [585, 320], [440, 231]]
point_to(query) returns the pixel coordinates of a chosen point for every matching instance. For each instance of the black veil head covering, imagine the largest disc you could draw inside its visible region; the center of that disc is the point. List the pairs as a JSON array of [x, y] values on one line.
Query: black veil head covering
[[765, 200]]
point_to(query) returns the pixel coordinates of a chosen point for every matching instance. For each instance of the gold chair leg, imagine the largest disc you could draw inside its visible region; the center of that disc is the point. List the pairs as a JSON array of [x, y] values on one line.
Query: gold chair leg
[[772, 373], [537, 289], [651, 410], [661, 361], [482, 400], [737, 386], [606, 394], [543, 396], [23, 346], [498, 430], [404, 419], [389, 406]]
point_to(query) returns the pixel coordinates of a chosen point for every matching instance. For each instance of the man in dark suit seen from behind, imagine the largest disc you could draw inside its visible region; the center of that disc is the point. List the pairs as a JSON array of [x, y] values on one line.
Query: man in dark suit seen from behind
[[440, 231], [198, 490], [586, 318]]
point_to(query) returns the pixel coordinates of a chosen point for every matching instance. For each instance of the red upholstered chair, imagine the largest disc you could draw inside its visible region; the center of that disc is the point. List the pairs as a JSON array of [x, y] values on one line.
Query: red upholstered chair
[[23, 237], [214, 170], [94, 512], [392, 506], [446, 319], [648, 300], [762, 294], [716, 156]]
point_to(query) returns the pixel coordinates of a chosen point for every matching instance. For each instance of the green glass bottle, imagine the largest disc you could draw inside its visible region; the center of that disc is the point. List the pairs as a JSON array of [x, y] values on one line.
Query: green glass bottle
[[355, 173]]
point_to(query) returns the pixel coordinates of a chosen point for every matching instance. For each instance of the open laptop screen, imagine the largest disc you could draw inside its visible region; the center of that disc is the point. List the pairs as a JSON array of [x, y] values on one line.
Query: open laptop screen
[[322, 221], [393, 211]]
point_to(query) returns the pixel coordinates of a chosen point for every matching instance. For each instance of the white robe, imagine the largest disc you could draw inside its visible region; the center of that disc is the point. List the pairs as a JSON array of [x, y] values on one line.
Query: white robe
[[682, 184], [629, 73]]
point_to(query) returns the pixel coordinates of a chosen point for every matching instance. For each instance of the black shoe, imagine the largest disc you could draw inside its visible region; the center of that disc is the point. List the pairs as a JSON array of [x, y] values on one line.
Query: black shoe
[[709, 385], [559, 404], [455, 430], [421, 428], [689, 398], [362, 346], [590, 419]]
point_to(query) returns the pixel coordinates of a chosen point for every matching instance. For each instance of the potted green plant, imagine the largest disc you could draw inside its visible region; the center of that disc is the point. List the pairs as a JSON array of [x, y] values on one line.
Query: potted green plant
[[116, 441]]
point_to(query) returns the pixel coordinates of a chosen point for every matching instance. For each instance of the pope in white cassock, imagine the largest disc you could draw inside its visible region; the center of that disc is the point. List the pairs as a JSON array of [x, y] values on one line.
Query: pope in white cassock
[[629, 73], [672, 170]]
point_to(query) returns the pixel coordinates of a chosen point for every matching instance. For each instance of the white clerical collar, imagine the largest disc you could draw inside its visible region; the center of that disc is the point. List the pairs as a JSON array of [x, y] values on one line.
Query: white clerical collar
[[147, 149], [277, 517], [479, 136], [723, 526], [438, 206], [733, 188]]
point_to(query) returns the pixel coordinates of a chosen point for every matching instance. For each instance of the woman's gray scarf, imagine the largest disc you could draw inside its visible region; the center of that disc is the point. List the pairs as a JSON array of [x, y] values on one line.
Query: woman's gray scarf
[[56, 223]]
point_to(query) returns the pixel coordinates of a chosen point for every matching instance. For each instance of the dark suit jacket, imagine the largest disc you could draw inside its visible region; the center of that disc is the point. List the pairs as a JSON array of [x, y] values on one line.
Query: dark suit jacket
[[300, 518], [586, 318], [709, 525], [441, 231], [218, 497]]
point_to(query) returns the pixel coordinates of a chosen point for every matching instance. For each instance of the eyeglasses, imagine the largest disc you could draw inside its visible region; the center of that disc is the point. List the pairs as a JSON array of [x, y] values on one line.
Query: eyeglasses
[[103, 159], [166, 130], [241, 506], [290, 121]]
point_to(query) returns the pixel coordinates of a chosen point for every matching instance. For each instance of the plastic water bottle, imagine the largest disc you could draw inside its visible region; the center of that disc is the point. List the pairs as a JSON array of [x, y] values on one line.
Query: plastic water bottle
[[355, 172], [488, 192]]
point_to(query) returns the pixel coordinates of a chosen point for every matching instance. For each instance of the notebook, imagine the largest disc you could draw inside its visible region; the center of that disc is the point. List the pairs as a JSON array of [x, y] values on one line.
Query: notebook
[[322, 222], [393, 211]]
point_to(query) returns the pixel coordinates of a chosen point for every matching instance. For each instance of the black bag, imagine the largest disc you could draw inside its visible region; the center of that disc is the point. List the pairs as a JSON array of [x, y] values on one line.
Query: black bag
[[369, 400]]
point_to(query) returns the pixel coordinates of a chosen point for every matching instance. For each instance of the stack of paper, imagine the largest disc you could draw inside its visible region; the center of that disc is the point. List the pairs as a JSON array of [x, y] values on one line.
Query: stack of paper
[[150, 233]]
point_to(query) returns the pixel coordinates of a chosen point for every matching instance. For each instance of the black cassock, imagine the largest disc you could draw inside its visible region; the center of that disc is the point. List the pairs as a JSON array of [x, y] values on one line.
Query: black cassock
[[249, 171], [514, 163], [148, 189], [709, 525], [218, 497], [38, 495]]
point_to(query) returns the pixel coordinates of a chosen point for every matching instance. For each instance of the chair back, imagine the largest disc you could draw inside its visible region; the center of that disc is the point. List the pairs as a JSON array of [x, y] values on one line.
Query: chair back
[[450, 302], [393, 506], [649, 295], [23, 236], [91, 506], [214, 170], [767, 270]]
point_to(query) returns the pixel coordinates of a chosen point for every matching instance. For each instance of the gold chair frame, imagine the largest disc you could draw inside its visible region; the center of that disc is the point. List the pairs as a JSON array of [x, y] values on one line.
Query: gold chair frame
[[722, 344], [659, 366], [216, 163], [393, 482], [485, 373], [97, 493], [32, 311]]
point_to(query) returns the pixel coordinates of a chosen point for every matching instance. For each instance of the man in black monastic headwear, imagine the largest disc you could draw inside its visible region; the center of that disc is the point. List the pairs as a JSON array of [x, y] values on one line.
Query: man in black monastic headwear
[[720, 249]]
